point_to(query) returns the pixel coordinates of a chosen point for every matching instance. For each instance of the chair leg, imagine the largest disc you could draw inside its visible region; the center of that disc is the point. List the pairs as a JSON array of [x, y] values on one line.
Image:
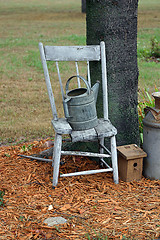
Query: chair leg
[[114, 159], [101, 150], [56, 158]]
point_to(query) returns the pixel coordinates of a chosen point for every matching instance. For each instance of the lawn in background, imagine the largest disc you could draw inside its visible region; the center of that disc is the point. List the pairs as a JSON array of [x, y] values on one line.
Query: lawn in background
[[25, 110]]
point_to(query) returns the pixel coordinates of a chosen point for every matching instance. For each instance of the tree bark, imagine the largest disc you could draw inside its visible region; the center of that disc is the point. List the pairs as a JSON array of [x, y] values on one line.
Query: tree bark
[[83, 2], [115, 22]]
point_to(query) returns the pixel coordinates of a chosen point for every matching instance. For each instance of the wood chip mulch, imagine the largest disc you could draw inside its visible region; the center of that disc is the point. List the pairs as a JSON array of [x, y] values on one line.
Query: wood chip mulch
[[94, 207]]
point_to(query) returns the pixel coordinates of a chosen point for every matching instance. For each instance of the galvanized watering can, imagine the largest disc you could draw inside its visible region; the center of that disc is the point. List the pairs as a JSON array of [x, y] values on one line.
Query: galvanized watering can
[[80, 105]]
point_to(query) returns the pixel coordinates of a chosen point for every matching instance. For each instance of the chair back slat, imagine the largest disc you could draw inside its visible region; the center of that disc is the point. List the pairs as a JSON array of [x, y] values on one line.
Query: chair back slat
[[104, 81], [77, 70], [88, 73], [72, 53], [60, 80]]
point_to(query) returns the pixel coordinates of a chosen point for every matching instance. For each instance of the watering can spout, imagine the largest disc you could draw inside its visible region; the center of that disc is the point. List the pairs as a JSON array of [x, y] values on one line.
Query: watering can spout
[[95, 89]]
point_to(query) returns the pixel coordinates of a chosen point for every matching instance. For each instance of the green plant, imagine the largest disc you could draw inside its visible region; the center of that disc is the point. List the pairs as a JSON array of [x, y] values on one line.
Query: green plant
[[24, 148], [155, 48], [144, 100], [7, 155], [97, 237], [22, 218], [153, 51], [58, 230], [1, 198]]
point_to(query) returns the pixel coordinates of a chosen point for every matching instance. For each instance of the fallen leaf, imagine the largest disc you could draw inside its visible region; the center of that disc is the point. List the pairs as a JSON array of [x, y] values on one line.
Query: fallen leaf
[[65, 207], [81, 211], [107, 220]]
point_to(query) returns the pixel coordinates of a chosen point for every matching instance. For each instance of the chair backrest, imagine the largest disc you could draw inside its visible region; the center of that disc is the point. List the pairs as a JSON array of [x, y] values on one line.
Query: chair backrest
[[74, 53]]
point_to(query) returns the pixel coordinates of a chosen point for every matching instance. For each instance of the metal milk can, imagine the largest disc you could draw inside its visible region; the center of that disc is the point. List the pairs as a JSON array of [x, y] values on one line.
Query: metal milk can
[[80, 105], [151, 139]]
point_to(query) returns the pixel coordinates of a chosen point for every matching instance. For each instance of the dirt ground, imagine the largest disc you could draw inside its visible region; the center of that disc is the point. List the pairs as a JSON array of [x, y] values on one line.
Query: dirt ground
[[94, 207]]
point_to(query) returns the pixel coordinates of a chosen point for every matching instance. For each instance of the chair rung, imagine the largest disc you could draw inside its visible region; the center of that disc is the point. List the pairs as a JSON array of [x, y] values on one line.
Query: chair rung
[[36, 158], [106, 164], [87, 154], [106, 149], [86, 172]]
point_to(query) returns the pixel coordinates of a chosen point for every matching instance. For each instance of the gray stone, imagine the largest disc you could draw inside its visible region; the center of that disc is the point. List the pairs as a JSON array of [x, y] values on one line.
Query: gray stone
[[55, 221]]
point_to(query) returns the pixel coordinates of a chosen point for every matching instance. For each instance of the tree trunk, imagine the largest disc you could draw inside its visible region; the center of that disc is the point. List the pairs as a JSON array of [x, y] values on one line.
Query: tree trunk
[[115, 22], [83, 6]]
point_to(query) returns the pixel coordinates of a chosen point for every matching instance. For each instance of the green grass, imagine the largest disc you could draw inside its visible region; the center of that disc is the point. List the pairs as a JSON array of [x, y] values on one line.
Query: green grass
[[25, 110], [149, 71], [148, 27], [149, 74], [24, 6], [148, 5]]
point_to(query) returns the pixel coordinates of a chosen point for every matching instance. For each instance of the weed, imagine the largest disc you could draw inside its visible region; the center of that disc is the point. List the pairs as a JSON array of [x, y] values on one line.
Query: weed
[[97, 237], [1, 198], [22, 218], [7, 155], [30, 147], [151, 52], [58, 230], [144, 100], [155, 47], [102, 237], [24, 148], [10, 140]]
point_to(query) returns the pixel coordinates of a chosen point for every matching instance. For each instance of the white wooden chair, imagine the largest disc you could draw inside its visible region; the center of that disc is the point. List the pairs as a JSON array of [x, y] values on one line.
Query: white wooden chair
[[104, 129]]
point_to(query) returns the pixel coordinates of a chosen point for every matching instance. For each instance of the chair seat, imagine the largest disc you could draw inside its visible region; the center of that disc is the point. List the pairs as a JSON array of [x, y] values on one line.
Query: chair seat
[[103, 129], [61, 126]]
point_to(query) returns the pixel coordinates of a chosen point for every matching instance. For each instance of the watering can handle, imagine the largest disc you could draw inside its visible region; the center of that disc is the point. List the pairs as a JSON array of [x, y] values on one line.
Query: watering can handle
[[83, 79]]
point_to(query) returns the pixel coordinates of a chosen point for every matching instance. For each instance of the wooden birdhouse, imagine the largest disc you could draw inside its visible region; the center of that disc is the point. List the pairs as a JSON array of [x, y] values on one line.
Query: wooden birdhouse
[[130, 162]]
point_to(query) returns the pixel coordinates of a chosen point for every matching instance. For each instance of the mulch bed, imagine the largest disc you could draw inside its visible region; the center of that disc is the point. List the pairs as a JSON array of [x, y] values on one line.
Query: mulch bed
[[95, 208]]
